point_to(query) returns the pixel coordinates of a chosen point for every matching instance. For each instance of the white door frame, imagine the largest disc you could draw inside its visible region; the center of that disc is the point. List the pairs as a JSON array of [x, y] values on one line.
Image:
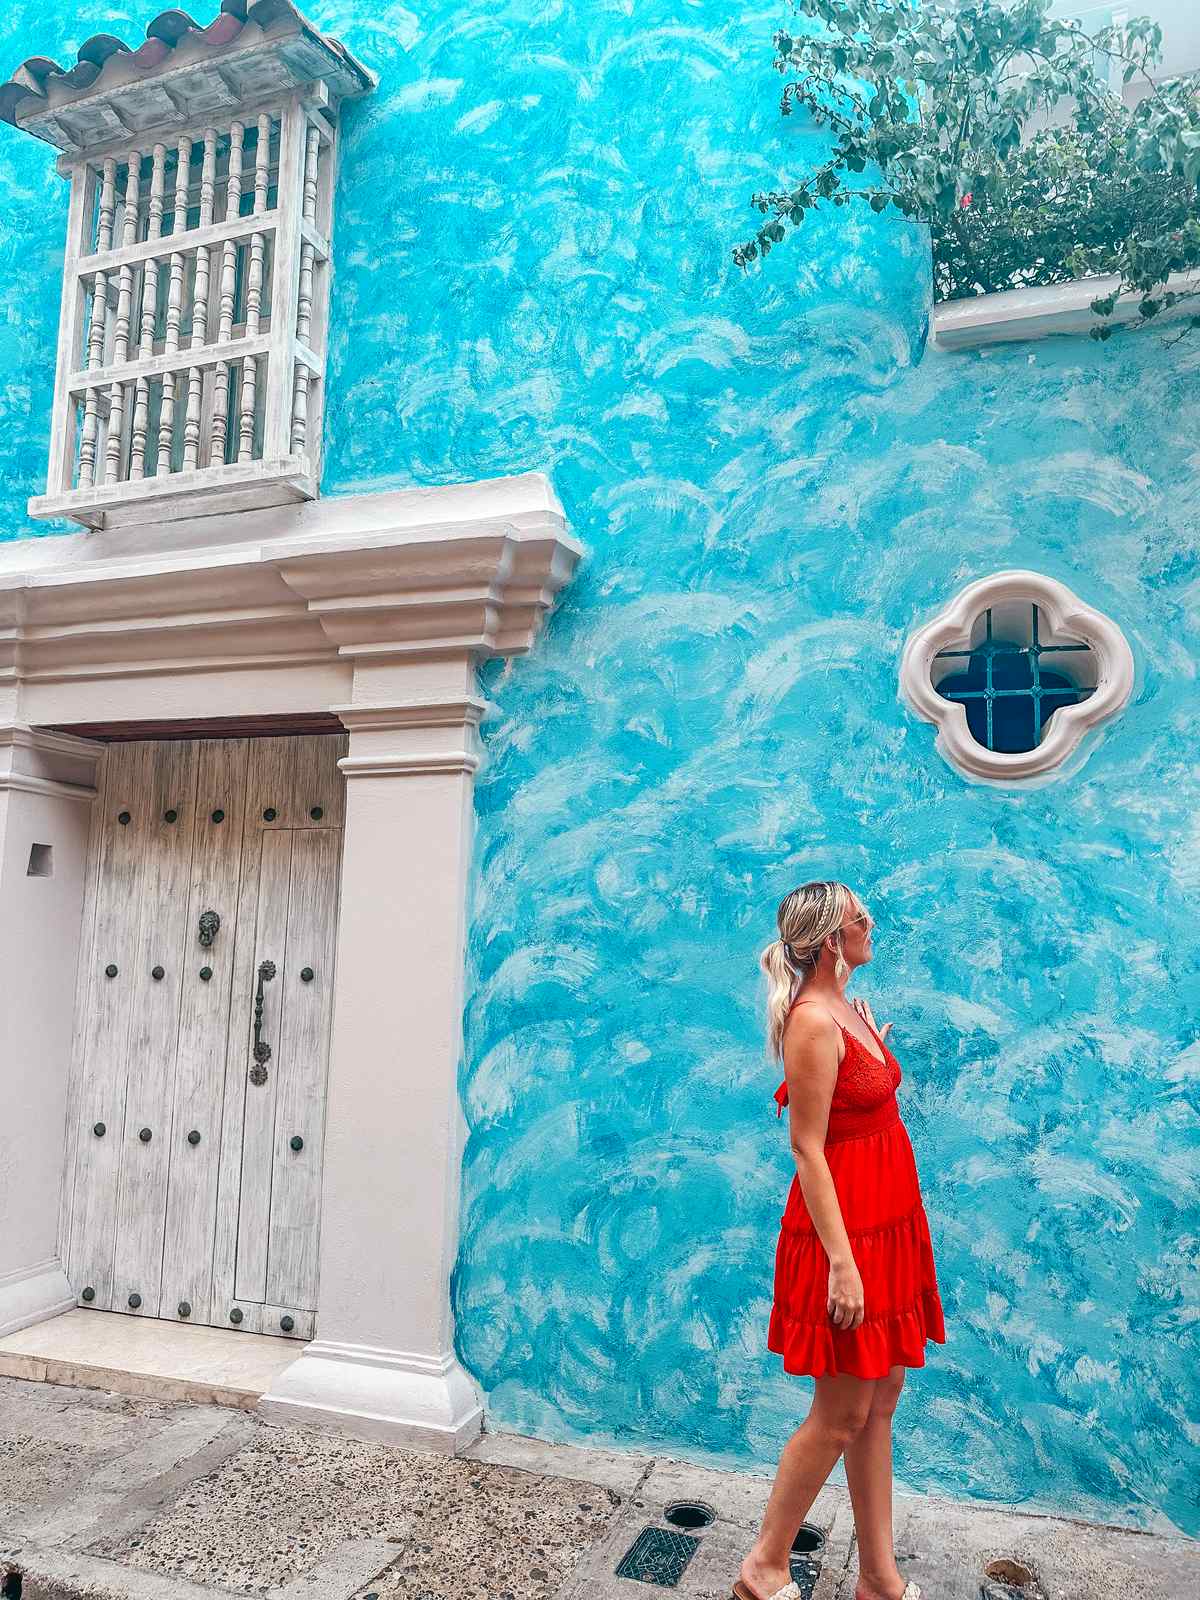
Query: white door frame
[[377, 608]]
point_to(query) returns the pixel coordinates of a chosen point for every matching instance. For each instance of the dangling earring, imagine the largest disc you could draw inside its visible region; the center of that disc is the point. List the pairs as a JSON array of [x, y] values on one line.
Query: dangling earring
[[840, 970]]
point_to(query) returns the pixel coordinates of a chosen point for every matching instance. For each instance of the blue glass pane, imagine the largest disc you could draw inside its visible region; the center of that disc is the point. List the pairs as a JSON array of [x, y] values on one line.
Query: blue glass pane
[[1012, 670], [1014, 723]]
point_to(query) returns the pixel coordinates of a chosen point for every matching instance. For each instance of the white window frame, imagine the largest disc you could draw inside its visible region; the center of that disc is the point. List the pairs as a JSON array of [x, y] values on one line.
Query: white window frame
[[1069, 617]]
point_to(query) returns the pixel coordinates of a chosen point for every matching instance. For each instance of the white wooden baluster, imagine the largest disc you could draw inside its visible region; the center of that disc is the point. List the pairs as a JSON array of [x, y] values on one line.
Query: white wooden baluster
[[200, 288], [254, 287], [304, 305], [149, 316], [233, 201], [171, 380], [97, 327], [124, 318], [129, 233]]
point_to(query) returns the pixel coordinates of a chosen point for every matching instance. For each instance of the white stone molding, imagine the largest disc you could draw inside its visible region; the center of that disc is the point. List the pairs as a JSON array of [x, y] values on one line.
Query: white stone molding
[[424, 753], [457, 713], [216, 405], [1035, 312], [398, 1396], [34, 761], [1068, 619], [33, 1294], [406, 573], [29, 784]]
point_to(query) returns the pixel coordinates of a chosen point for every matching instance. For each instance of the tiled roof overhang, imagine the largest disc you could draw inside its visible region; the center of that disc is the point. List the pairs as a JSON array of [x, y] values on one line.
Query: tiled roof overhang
[[180, 74]]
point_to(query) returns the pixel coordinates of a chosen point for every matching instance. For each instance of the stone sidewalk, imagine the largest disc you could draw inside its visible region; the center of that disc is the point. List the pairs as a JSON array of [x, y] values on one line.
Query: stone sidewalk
[[103, 1495]]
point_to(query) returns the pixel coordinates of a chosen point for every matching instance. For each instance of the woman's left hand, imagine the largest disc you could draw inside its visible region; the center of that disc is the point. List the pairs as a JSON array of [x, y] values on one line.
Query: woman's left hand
[[863, 1007]]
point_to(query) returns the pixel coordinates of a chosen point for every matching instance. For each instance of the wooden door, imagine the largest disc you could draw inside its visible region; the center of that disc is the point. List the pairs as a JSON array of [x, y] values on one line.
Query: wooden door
[[197, 1114]]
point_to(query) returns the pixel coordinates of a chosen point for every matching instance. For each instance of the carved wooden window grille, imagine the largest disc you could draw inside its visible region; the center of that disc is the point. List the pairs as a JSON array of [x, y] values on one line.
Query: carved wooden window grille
[[192, 345]]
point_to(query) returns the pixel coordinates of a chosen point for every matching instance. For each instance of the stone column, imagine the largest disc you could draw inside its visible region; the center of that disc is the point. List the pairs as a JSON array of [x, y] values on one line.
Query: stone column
[[47, 784], [383, 1364]]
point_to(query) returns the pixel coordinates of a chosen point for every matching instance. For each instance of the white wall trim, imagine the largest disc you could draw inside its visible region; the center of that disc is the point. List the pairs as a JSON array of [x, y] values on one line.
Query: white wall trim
[[17, 735], [452, 713], [398, 574], [1068, 615], [33, 1294], [410, 767], [1035, 312], [398, 1396], [35, 761], [25, 783], [459, 714]]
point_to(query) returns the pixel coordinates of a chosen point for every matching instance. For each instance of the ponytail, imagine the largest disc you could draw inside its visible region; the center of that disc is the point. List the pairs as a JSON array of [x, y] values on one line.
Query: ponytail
[[781, 985]]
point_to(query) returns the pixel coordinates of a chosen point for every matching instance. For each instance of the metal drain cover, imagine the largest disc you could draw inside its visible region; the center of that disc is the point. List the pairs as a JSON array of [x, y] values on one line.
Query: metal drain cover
[[658, 1555], [805, 1572]]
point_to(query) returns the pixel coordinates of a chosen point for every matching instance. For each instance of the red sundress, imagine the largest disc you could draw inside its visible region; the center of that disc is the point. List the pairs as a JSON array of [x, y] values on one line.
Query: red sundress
[[875, 1176]]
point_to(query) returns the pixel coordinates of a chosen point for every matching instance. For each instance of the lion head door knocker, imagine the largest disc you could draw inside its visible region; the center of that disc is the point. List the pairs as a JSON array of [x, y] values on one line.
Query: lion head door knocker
[[209, 924], [262, 1050]]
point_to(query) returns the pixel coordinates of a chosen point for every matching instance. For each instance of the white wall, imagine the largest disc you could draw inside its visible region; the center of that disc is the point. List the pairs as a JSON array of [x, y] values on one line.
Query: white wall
[[1178, 19]]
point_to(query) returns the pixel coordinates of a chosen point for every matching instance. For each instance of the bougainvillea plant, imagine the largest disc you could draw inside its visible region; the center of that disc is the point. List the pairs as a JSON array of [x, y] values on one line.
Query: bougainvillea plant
[[998, 126]]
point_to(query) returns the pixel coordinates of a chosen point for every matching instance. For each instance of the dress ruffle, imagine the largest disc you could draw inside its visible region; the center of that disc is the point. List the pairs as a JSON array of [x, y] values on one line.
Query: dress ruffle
[[868, 1351]]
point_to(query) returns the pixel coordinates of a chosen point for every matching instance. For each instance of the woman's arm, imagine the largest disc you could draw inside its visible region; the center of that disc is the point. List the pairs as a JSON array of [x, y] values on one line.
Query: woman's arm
[[810, 1062]]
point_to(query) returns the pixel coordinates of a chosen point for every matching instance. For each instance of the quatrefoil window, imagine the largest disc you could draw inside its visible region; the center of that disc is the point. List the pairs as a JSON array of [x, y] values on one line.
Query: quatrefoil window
[[1014, 673]]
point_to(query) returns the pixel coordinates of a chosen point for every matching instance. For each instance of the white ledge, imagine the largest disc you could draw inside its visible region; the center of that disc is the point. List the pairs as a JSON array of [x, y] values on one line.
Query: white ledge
[[470, 568], [1033, 313]]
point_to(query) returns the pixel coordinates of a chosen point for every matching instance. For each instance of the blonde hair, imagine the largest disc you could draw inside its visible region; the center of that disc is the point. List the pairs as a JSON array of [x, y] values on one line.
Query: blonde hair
[[806, 918]]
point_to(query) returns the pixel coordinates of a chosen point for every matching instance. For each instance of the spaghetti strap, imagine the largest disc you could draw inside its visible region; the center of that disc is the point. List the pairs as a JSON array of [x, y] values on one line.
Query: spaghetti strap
[[781, 1094]]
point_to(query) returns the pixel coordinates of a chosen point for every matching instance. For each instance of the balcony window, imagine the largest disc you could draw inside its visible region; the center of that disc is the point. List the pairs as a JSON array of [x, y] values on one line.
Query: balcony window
[[192, 340]]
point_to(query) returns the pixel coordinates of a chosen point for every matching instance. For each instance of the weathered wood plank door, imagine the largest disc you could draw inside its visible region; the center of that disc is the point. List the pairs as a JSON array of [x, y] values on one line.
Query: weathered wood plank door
[[198, 1114]]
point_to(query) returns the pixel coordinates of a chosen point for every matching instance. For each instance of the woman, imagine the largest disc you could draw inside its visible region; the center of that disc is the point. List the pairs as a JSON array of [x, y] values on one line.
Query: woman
[[856, 1294]]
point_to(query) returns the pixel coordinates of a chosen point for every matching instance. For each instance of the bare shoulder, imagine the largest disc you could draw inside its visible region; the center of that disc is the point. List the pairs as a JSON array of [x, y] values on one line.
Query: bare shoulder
[[810, 1023]]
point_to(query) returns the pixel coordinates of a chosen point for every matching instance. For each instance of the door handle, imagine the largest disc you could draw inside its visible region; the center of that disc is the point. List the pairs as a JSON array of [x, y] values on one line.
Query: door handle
[[262, 1050]]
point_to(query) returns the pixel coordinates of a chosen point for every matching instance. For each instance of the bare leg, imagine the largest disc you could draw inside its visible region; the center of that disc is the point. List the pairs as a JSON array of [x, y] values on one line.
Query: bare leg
[[869, 1477], [839, 1410]]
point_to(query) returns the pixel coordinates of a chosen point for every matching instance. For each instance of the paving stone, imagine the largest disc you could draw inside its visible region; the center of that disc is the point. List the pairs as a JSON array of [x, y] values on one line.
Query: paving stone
[[739, 1497], [30, 1468], [615, 1469], [945, 1545], [461, 1527]]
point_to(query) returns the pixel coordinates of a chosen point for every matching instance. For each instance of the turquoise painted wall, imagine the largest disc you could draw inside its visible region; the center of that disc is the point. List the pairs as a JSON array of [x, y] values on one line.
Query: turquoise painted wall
[[775, 482]]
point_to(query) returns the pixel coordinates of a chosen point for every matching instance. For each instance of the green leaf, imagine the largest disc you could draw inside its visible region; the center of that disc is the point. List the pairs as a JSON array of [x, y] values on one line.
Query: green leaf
[[929, 95]]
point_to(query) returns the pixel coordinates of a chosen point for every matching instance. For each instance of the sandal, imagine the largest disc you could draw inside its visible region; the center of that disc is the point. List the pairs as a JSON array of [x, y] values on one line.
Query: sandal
[[912, 1591], [790, 1591]]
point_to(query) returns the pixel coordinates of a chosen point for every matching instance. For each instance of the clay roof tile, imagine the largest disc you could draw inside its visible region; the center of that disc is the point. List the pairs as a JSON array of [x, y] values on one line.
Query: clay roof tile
[[162, 36]]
